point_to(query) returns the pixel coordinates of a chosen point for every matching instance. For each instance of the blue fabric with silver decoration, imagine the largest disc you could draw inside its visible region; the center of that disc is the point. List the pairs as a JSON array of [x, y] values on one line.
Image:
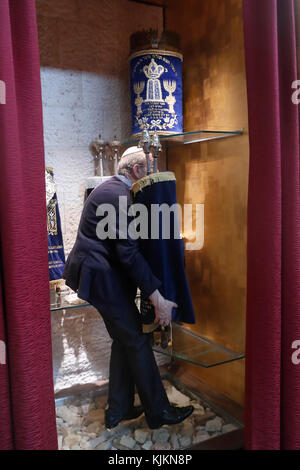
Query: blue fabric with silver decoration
[[156, 91]]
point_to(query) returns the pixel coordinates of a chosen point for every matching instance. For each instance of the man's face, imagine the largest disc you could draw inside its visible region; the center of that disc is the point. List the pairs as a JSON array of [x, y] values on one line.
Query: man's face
[[140, 170]]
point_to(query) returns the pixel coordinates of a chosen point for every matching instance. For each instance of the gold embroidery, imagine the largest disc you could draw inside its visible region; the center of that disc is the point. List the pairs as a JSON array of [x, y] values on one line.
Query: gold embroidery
[[151, 179], [156, 52], [51, 218]]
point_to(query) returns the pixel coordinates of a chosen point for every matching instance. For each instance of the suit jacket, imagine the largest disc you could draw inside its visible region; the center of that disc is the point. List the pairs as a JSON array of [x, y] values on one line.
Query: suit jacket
[[104, 271]]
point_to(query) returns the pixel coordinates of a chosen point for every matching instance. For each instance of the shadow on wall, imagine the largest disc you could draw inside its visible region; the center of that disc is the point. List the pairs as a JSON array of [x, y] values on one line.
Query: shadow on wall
[[81, 348]]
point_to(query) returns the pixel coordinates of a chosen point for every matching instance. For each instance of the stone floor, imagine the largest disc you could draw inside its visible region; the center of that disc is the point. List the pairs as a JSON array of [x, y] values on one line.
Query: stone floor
[[80, 424]]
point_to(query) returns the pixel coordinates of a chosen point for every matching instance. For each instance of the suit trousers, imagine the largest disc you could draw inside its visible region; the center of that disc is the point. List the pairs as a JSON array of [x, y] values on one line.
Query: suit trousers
[[132, 361]]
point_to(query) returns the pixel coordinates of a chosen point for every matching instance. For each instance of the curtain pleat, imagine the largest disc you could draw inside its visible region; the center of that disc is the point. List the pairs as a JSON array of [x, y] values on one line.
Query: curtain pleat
[[24, 309], [273, 273]]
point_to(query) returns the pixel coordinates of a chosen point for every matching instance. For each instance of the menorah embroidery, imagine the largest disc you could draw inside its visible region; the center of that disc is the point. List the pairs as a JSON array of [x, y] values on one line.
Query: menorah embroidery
[[170, 87], [138, 89]]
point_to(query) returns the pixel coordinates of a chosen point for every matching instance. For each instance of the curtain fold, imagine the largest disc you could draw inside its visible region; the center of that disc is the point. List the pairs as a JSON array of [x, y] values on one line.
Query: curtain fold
[[27, 411], [272, 397], [6, 438]]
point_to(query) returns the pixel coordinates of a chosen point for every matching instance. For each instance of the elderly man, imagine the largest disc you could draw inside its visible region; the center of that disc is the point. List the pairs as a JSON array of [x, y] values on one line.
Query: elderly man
[[106, 273]]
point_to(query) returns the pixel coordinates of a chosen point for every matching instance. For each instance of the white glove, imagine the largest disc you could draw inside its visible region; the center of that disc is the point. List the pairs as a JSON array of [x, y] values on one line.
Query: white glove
[[163, 308]]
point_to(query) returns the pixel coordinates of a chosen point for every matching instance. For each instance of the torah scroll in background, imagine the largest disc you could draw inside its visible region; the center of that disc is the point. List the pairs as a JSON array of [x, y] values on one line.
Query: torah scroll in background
[[56, 254], [156, 84]]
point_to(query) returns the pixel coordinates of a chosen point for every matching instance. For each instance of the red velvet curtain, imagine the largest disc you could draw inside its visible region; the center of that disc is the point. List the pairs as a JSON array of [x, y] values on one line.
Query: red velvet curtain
[[273, 293], [27, 411]]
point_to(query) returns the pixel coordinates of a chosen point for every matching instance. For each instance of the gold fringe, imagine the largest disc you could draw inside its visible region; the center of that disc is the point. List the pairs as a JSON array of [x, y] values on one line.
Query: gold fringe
[[151, 179], [148, 328], [156, 52]]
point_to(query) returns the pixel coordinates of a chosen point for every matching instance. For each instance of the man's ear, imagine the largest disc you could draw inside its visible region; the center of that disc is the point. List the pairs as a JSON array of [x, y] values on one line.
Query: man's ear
[[134, 171]]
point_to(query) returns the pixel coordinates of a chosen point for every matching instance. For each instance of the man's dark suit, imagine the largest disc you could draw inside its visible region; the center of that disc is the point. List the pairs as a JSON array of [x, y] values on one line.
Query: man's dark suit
[[106, 273]]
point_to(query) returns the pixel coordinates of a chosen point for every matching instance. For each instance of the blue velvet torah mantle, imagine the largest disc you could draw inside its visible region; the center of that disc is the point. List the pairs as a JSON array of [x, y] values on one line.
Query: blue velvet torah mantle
[[156, 91], [56, 254], [164, 254]]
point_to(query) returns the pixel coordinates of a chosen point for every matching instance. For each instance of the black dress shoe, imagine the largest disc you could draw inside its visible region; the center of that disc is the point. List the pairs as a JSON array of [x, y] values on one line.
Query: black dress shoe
[[113, 421], [174, 415]]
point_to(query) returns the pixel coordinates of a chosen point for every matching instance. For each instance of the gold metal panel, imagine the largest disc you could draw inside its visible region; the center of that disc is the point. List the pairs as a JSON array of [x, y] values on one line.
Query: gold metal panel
[[215, 174]]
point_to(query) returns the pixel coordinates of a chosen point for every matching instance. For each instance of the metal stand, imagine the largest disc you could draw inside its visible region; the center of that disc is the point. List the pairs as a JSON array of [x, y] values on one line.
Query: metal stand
[[157, 148], [145, 144]]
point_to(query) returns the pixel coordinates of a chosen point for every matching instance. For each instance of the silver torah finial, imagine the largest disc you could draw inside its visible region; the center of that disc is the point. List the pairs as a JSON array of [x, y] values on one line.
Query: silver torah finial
[[157, 148], [145, 144], [96, 148], [115, 146]]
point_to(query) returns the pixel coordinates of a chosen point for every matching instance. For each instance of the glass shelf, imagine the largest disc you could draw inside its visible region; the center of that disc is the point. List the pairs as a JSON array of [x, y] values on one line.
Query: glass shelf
[[186, 345], [63, 304], [188, 137], [196, 349], [66, 302]]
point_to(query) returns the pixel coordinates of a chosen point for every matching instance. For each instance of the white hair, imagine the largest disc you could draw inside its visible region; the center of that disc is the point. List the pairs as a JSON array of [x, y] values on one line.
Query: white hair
[[131, 157]]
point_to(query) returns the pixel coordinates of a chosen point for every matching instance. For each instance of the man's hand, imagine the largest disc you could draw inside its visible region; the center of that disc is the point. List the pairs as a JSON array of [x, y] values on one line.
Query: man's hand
[[163, 308]]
